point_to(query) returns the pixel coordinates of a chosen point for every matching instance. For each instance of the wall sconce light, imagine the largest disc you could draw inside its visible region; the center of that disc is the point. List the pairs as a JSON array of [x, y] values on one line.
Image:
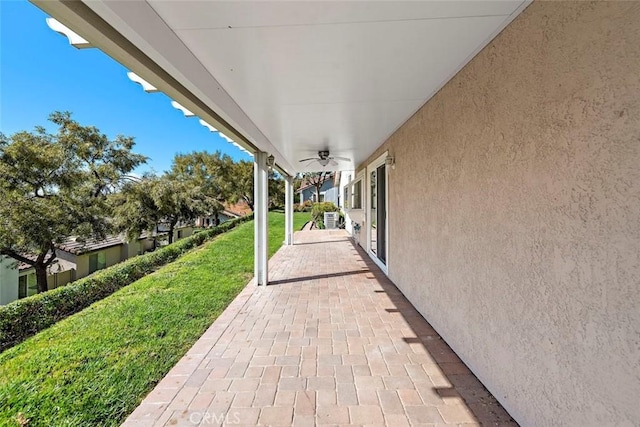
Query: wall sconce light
[[271, 162], [390, 161]]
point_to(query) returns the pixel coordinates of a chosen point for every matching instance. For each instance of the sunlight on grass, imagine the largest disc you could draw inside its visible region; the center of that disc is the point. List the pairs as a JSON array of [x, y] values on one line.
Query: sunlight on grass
[[94, 367]]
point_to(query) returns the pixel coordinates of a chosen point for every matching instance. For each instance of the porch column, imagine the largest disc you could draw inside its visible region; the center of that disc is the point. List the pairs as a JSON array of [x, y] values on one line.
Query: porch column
[[288, 210], [261, 208]]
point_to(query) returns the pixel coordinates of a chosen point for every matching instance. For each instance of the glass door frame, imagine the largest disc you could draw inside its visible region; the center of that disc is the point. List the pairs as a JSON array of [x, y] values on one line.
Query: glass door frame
[[374, 165]]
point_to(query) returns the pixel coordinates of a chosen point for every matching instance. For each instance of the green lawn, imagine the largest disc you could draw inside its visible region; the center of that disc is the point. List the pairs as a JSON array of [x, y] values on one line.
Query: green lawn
[[94, 367]]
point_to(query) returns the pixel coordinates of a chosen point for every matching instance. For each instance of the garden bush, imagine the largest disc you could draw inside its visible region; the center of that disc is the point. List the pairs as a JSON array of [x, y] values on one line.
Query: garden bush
[[317, 213], [306, 206], [25, 317]]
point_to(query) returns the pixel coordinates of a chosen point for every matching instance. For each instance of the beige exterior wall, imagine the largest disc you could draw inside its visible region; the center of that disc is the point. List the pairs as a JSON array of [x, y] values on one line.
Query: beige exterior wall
[[62, 278], [184, 232], [131, 249], [514, 214], [113, 255]]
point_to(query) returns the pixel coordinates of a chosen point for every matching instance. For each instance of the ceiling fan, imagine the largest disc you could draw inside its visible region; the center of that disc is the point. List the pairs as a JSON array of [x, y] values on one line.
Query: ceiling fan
[[325, 159]]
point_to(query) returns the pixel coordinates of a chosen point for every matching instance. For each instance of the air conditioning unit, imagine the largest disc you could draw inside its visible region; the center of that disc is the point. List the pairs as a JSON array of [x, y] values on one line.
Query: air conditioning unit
[[331, 220]]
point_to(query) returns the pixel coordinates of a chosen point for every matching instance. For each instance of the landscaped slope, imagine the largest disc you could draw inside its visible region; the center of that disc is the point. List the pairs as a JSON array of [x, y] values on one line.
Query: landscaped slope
[[94, 367]]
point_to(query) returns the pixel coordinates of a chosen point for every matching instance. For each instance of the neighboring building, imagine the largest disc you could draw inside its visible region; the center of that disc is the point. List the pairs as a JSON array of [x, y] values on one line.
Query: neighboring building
[[91, 256], [213, 220], [76, 259], [230, 212], [59, 273], [8, 280], [329, 191], [180, 231]]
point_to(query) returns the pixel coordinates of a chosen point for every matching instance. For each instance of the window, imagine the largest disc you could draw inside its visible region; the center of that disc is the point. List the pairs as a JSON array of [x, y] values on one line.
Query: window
[[27, 285], [356, 195], [179, 235], [345, 197], [97, 261]]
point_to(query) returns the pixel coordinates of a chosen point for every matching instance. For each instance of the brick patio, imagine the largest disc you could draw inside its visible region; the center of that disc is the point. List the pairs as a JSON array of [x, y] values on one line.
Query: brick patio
[[330, 341]]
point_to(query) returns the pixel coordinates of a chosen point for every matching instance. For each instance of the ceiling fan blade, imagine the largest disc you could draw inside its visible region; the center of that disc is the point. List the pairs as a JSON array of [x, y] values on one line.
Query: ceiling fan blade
[[310, 158], [344, 159], [333, 162]]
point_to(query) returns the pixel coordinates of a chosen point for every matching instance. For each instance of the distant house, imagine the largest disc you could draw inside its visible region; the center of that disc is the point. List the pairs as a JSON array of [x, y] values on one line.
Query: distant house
[[180, 231], [213, 220], [329, 191], [8, 280], [91, 256], [74, 260], [59, 273], [230, 212]]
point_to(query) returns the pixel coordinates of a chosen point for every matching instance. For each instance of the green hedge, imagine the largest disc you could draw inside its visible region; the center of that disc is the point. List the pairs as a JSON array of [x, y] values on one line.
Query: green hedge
[[23, 318]]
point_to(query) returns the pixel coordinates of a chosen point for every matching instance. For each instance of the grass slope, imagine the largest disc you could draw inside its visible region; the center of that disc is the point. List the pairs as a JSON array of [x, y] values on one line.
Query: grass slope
[[95, 367]]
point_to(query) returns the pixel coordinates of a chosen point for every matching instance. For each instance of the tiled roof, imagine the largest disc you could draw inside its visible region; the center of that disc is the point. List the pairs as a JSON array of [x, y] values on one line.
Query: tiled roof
[[78, 248], [229, 213], [239, 209], [58, 265], [25, 266]]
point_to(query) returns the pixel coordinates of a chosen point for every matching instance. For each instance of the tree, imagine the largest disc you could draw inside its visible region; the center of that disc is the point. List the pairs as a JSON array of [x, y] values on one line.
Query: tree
[[242, 183], [241, 176], [55, 186], [210, 173], [276, 189], [153, 201], [317, 179]]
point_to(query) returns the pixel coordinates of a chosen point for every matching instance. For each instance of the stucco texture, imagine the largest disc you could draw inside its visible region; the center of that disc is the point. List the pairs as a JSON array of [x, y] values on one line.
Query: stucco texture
[[514, 214]]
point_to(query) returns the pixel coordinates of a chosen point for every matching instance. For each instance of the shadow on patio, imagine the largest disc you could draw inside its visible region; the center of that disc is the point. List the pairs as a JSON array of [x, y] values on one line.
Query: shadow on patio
[[330, 341]]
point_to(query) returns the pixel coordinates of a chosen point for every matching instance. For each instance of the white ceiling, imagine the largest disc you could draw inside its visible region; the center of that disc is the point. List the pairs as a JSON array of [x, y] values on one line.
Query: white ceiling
[[298, 77]]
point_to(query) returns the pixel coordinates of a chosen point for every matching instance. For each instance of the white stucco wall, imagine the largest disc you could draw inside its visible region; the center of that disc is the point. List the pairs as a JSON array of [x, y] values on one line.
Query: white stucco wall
[[8, 280]]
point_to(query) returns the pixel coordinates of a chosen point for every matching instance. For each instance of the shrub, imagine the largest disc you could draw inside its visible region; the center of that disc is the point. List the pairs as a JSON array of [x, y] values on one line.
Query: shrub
[[306, 206], [23, 318], [317, 213]]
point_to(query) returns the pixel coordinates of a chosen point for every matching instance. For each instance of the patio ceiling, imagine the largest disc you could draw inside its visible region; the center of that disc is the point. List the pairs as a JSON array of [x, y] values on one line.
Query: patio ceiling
[[298, 77]]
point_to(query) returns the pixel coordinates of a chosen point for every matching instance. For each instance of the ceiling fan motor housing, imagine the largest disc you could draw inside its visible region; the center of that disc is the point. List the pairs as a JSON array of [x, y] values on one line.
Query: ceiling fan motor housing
[[323, 154]]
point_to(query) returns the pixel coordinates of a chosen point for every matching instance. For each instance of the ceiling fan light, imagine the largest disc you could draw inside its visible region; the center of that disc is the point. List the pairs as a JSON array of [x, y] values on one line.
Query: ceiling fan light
[[323, 162]]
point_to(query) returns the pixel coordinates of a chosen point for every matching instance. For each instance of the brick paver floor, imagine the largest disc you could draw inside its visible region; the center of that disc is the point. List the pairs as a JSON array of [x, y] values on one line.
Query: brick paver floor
[[330, 341]]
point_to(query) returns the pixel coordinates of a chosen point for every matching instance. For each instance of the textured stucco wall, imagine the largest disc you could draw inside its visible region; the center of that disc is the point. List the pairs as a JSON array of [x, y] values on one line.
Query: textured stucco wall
[[515, 214]]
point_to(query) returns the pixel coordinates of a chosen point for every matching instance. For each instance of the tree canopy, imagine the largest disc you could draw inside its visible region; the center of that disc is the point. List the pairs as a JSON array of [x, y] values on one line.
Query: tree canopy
[[242, 185], [54, 186], [158, 201]]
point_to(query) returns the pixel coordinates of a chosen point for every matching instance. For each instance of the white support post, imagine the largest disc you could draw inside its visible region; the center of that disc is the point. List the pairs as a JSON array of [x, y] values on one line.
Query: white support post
[[288, 210], [261, 208]]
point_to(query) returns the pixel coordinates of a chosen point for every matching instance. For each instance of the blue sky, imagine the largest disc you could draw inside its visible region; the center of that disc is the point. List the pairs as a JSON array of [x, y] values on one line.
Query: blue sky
[[41, 73]]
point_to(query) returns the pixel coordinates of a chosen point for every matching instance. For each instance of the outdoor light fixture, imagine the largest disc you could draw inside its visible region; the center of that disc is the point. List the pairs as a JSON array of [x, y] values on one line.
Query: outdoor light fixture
[[271, 161], [390, 161]]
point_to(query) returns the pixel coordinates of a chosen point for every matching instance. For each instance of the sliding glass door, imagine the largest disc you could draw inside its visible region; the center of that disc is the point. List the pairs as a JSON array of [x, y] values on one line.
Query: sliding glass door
[[377, 213]]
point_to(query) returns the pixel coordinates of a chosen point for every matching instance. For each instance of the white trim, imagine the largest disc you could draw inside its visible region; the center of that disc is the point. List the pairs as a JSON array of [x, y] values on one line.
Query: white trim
[[261, 221], [379, 161], [288, 210]]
